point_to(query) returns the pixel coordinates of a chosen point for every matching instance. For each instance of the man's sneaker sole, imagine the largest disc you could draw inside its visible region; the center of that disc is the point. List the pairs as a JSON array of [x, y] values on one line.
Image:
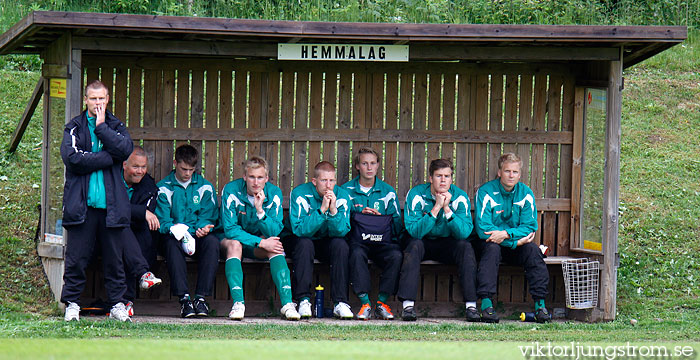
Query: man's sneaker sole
[[343, 317]]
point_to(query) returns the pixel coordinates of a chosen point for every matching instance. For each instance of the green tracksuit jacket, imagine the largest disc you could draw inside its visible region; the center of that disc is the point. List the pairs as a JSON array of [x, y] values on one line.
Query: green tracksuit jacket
[[381, 197], [306, 219], [195, 206], [514, 211], [420, 223], [240, 219]]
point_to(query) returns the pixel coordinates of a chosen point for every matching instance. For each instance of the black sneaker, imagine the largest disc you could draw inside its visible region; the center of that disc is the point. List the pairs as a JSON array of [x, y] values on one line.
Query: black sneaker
[[201, 307], [473, 315], [543, 316], [489, 315], [186, 308], [408, 314]]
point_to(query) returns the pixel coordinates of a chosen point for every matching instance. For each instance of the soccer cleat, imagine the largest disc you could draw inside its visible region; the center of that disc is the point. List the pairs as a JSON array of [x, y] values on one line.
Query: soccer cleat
[[289, 312], [342, 311], [305, 309], [201, 308], [489, 315], [72, 312], [542, 316], [408, 314], [129, 308], [186, 308], [118, 312], [473, 314], [365, 312], [148, 280], [237, 311], [383, 312]]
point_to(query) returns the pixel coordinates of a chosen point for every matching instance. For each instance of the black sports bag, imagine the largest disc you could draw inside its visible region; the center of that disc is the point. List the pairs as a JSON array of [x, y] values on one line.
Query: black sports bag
[[367, 228]]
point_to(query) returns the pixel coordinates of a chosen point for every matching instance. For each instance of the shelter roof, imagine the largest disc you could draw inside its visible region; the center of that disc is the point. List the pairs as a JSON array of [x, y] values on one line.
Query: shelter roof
[[38, 29]]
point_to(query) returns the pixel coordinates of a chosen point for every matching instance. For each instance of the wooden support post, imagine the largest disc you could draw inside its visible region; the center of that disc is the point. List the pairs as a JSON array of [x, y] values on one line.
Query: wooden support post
[[576, 161], [28, 113], [611, 197]]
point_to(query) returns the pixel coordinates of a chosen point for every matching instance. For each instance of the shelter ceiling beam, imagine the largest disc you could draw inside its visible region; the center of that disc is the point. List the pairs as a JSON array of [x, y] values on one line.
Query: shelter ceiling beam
[[416, 51], [199, 48], [374, 135]]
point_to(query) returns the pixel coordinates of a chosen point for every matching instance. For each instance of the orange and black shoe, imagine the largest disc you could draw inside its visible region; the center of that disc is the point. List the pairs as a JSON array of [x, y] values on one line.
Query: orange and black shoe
[[365, 312], [383, 312]]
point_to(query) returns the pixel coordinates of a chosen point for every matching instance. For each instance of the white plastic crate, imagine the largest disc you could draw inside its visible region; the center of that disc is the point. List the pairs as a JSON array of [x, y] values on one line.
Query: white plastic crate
[[581, 283]]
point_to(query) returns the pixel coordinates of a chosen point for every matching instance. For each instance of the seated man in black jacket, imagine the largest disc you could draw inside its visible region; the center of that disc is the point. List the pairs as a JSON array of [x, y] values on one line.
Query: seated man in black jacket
[[140, 250]]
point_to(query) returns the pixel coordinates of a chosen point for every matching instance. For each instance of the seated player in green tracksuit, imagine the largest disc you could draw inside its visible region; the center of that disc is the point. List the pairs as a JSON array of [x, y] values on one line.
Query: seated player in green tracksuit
[[506, 221], [187, 210], [438, 221], [319, 218], [251, 215], [370, 195]]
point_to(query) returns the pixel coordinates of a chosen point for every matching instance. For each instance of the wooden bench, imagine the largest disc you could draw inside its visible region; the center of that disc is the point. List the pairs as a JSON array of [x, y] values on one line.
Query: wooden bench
[[439, 293]]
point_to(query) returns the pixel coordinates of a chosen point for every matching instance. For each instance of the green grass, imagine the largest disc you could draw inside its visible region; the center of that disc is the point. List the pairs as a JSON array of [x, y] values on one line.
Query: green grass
[[617, 331], [24, 286], [660, 186], [106, 349], [266, 349]]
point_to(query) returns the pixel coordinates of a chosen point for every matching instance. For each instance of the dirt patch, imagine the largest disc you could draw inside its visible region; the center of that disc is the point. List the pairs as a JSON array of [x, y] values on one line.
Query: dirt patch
[[656, 139]]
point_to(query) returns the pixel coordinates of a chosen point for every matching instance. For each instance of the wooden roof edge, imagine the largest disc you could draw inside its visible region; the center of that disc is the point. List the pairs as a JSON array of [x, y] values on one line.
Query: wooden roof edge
[[12, 40], [441, 32], [13, 37]]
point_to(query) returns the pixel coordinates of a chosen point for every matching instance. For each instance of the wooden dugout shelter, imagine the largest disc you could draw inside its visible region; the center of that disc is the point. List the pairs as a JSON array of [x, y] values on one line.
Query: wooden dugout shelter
[[552, 94]]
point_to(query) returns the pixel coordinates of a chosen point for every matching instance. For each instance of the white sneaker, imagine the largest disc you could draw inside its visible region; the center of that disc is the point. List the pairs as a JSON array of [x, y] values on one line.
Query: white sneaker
[[289, 312], [148, 280], [237, 311], [342, 311], [119, 312], [305, 309], [72, 312]]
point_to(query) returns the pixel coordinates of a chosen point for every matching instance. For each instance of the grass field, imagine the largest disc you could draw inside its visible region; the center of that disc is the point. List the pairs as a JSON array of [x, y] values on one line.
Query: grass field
[[106, 349]]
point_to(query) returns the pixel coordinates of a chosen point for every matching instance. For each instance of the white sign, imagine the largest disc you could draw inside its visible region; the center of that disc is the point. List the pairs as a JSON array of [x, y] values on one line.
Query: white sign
[[342, 52]]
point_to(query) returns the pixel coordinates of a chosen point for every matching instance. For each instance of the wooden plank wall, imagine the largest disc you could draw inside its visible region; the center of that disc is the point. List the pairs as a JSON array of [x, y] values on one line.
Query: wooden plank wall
[[296, 114]]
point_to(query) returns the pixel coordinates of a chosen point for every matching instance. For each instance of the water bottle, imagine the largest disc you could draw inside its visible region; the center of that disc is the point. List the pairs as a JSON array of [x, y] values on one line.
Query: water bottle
[[318, 301], [527, 317]]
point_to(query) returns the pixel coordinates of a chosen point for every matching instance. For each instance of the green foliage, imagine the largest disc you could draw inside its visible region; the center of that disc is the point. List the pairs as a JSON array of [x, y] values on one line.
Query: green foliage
[[20, 62], [584, 12]]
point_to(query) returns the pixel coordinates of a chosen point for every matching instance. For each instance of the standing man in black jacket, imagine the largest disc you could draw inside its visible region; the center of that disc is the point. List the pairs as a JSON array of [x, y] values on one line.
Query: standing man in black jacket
[[95, 202], [140, 250]]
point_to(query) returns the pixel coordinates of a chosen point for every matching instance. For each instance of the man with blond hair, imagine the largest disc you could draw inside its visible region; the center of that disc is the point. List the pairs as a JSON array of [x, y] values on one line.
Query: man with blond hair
[[96, 206], [319, 218], [251, 216], [506, 221]]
